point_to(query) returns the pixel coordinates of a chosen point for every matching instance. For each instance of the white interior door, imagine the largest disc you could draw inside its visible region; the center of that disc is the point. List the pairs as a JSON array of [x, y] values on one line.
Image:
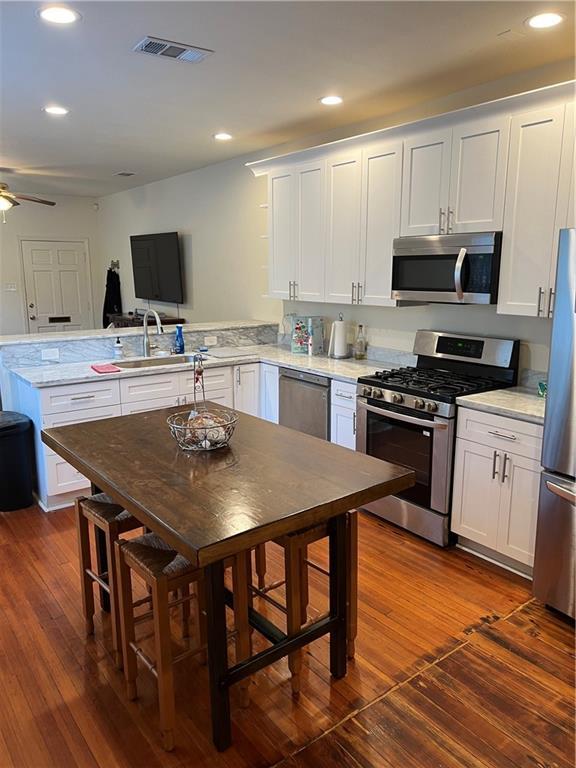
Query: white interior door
[[56, 282]]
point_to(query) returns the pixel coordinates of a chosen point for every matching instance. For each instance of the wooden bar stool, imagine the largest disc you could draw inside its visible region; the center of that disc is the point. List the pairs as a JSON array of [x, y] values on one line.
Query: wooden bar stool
[[113, 521], [165, 571], [296, 564]]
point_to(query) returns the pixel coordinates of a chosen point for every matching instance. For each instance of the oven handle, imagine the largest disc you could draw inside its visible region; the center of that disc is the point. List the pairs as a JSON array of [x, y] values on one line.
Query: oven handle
[[403, 417], [458, 273]]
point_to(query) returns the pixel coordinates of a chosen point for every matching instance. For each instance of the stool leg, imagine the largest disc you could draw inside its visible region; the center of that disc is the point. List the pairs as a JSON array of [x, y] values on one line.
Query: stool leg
[[261, 565], [185, 593], [200, 588], [352, 557], [293, 609], [304, 593], [241, 623], [164, 662], [126, 613], [112, 537], [85, 562]]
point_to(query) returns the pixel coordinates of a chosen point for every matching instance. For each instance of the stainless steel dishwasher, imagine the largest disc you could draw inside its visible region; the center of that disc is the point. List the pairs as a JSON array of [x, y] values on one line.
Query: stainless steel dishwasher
[[305, 402]]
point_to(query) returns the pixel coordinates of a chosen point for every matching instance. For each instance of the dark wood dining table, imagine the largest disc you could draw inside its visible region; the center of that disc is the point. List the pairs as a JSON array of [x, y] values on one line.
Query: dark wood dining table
[[270, 481]]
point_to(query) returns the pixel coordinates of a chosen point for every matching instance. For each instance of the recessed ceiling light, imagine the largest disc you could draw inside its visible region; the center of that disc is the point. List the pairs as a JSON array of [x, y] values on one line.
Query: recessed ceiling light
[[59, 14], [222, 136], [331, 101], [544, 20], [54, 110]]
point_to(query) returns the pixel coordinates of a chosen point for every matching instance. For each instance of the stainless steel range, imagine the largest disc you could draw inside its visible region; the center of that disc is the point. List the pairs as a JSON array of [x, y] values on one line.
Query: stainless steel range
[[407, 416]]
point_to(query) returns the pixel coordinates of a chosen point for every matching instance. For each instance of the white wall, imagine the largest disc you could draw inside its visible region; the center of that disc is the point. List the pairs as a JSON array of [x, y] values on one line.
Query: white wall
[[71, 218]]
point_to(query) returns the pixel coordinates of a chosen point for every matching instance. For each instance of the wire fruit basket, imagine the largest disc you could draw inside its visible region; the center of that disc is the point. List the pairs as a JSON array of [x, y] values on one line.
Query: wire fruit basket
[[203, 428]]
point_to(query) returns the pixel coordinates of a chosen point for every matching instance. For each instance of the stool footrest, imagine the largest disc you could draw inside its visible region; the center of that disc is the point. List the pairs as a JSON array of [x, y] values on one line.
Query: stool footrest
[[99, 578]]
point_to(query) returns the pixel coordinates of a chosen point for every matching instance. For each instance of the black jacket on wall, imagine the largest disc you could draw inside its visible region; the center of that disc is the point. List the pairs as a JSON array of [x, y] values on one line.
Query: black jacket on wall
[[112, 298]]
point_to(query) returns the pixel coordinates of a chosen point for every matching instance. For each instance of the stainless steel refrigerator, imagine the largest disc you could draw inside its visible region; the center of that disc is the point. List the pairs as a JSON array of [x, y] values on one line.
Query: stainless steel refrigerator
[[555, 557]]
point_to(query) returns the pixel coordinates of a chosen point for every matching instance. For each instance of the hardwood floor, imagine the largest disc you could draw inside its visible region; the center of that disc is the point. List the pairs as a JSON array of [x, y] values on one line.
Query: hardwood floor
[[450, 670]]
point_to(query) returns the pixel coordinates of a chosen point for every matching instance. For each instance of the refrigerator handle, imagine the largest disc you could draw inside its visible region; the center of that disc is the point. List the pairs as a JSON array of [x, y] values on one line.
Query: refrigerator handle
[[559, 490]]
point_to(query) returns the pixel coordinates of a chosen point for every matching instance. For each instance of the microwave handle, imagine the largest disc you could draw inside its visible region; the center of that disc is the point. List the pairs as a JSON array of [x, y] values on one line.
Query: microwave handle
[[458, 273], [402, 417]]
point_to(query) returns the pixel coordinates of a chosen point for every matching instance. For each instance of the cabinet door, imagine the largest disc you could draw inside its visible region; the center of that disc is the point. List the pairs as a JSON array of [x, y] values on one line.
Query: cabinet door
[[309, 238], [246, 388], [269, 392], [476, 495], [519, 508], [343, 226], [281, 266], [425, 183], [218, 396], [529, 238], [343, 427], [478, 175], [380, 220]]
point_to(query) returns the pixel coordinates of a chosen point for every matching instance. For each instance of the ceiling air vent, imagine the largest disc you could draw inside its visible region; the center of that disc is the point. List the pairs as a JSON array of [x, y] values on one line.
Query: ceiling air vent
[[171, 50]]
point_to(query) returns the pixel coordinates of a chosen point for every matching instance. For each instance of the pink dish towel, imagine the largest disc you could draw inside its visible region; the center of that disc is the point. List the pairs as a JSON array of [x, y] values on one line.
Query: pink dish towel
[[105, 368]]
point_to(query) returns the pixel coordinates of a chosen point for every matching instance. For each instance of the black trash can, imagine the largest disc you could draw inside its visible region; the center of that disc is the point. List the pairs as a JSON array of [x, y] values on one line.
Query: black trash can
[[16, 461]]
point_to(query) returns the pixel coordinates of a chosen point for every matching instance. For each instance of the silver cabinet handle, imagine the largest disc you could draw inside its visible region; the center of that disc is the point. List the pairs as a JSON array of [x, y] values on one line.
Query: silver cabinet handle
[[360, 293], [500, 434], [458, 273], [550, 302], [295, 290], [450, 226], [344, 395], [238, 376], [82, 397], [495, 458], [441, 216], [540, 294], [560, 490], [353, 293], [290, 291], [506, 460], [354, 423], [393, 416]]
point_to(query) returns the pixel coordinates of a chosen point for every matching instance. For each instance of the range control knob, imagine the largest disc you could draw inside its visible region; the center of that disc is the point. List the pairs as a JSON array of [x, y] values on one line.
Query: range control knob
[[397, 398], [377, 393], [367, 391], [418, 403], [432, 407]]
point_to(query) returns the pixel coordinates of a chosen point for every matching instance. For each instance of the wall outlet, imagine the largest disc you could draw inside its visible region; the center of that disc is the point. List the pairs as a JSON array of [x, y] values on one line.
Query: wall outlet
[[51, 354], [210, 341]]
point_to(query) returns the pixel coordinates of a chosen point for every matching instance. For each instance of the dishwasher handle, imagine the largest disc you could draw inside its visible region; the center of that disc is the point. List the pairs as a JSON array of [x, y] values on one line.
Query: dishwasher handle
[[309, 378]]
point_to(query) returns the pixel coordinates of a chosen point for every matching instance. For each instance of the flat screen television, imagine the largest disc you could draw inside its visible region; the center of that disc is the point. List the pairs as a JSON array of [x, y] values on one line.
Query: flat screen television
[[156, 266]]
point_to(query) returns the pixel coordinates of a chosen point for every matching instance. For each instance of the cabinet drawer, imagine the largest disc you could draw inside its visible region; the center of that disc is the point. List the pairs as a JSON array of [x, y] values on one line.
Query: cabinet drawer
[[219, 396], [75, 397], [344, 394], [214, 379], [144, 388], [511, 435], [150, 405], [76, 417], [61, 477]]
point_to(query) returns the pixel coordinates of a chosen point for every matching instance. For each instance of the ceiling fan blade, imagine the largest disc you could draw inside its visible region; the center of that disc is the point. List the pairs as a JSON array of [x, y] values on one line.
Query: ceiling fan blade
[[31, 199]]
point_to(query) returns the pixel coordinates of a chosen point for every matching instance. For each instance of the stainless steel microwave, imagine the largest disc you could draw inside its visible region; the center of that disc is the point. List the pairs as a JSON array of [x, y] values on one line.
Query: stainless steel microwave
[[447, 269]]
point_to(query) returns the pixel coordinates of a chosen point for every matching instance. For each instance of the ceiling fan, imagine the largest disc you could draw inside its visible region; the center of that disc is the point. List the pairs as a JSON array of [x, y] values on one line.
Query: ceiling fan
[[9, 199]]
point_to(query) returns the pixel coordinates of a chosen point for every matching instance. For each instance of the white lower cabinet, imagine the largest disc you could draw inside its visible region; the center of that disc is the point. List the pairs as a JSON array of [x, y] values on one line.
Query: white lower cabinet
[[61, 477], [496, 485], [343, 414], [269, 392], [247, 388], [151, 405]]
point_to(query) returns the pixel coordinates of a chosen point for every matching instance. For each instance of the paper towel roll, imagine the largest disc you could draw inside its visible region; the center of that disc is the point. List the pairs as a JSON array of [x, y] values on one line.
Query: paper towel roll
[[338, 342]]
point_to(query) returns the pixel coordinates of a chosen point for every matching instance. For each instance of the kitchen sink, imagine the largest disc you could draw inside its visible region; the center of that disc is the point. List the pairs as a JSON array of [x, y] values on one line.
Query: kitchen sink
[[154, 362]]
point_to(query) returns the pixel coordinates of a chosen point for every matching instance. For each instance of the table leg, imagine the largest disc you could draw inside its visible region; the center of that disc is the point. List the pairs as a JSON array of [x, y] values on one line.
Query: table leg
[[217, 655], [338, 546], [101, 559]]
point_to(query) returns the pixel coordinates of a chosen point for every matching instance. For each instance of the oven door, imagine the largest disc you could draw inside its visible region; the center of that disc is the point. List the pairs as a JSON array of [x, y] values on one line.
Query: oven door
[[446, 269], [423, 444]]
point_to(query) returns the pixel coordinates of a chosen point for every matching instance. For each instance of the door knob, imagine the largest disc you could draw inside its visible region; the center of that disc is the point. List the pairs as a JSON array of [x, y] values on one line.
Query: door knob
[[32, 317], [31, 305]]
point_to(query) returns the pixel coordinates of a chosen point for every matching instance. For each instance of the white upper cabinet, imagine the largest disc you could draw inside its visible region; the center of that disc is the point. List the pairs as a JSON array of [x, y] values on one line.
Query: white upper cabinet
[[309, 232], [530, 236], [343, 176], [281, 264], [380, 220], [426, 182], [478, 175]]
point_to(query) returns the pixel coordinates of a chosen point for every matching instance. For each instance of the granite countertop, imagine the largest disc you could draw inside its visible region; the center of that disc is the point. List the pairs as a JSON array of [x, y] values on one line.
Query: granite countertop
[[72, 373], [515, 402]]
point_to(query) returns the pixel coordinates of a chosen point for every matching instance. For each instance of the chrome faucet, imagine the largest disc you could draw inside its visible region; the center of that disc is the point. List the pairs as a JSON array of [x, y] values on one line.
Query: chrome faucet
[[146, 346]]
